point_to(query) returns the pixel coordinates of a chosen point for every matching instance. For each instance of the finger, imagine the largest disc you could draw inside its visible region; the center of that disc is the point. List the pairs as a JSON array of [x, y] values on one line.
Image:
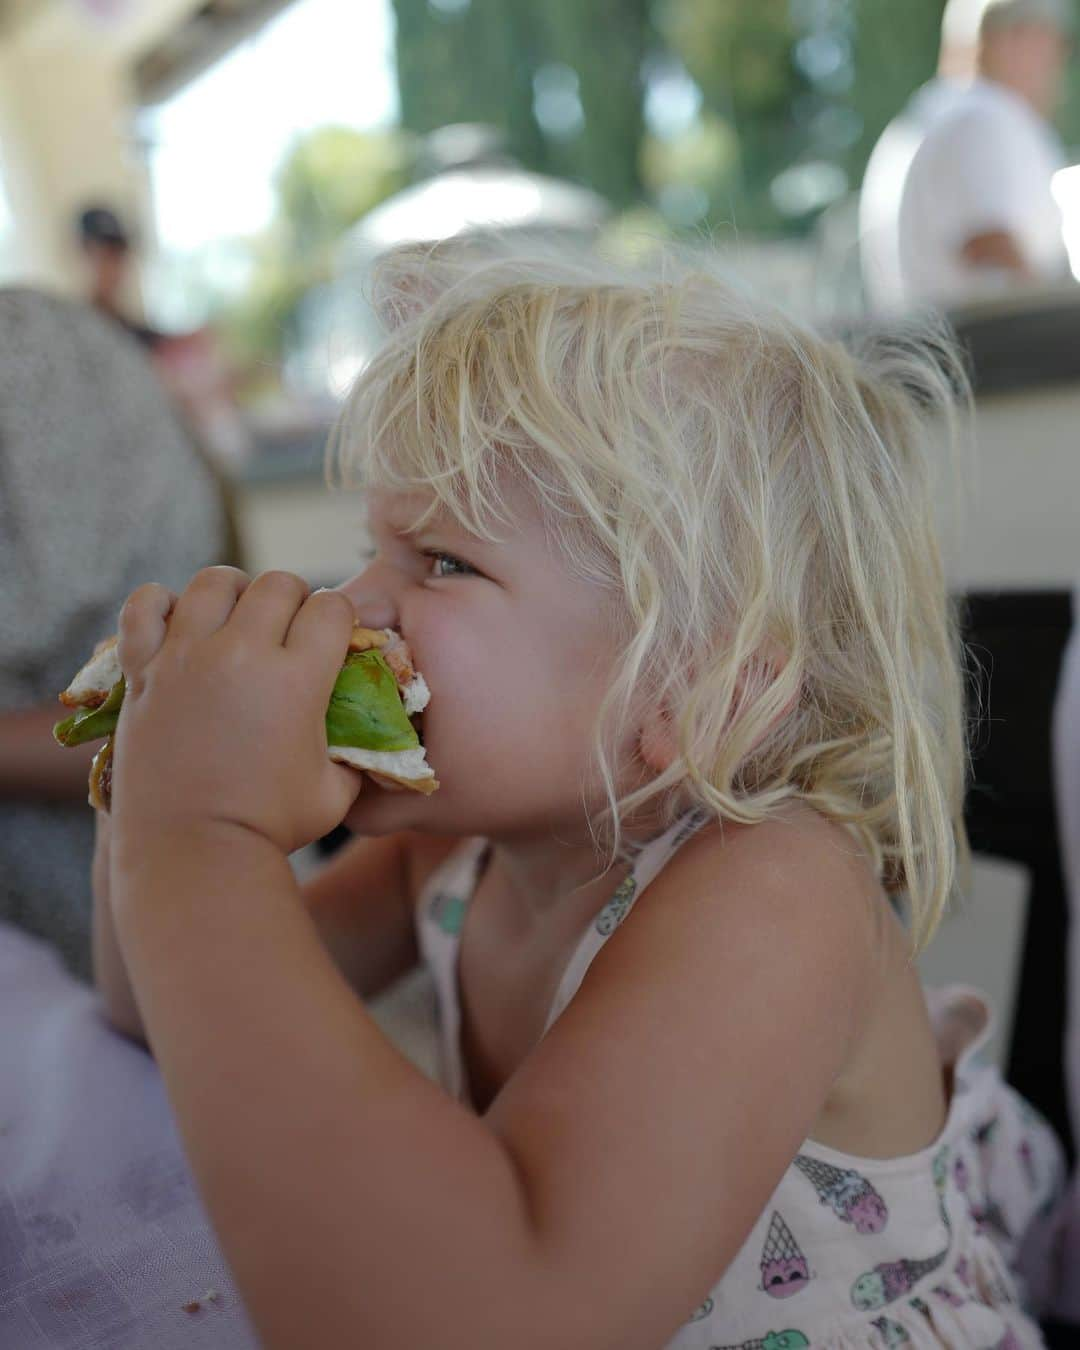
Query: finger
[[142, 627], [208, 600], [348, 784], [269, 605], [322, 628]]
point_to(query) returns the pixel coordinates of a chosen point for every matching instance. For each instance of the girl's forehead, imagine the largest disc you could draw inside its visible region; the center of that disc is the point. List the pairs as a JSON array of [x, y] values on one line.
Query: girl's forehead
[[413, 510], [401, 512]]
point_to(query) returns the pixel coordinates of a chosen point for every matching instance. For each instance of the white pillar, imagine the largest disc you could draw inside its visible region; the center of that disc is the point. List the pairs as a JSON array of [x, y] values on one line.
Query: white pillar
[[67, 135]]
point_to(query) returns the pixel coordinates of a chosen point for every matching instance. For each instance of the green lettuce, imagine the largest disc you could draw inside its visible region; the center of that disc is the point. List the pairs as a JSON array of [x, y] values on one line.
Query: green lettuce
[[365, 710], [91, 724]]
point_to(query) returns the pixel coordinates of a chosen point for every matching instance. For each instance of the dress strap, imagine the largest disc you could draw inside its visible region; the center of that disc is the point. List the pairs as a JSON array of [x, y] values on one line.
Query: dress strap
[[440, 916], [649, 863]]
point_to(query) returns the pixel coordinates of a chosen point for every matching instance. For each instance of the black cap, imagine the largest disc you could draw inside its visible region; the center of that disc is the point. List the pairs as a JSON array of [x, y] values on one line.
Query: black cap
[[97, 224]]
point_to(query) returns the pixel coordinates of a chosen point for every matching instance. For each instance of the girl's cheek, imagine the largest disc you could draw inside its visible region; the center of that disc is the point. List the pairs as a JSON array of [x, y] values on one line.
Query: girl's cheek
[[444, 636]]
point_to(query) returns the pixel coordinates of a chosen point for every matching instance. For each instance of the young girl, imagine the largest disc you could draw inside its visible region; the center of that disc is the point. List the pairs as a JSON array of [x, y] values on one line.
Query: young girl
[[666, 560]]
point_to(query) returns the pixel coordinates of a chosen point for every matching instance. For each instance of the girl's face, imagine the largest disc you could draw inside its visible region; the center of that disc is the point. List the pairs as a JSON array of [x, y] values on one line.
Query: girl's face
[[517, 653]]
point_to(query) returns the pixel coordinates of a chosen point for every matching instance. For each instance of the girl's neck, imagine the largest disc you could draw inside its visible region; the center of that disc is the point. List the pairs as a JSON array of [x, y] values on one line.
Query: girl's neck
[[542, 877]]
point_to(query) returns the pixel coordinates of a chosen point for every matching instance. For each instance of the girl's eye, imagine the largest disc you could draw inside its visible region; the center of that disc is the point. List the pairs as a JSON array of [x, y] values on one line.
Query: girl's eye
[[446, 565]]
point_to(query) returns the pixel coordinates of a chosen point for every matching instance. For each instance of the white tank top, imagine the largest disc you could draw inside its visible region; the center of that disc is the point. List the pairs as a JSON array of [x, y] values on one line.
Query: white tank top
[[915, 1251]]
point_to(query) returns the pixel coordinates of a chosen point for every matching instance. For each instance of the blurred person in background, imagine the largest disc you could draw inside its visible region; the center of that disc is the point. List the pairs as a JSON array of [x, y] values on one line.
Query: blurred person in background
[[886, 170], [190, 365], [106, 248], [100, 489], [957, 201]]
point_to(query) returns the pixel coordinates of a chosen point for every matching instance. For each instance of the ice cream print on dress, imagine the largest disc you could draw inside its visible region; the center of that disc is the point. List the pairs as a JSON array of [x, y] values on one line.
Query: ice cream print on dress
[[784, 1271], [773, 1340], [448, 911], [852, 1198], [892, 1332], [617, 907], [891, 1280]]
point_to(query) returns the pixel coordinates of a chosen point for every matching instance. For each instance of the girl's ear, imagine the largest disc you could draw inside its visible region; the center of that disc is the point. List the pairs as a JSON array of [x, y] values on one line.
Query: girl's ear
[[658, 741], [658, 744], [762, 670]]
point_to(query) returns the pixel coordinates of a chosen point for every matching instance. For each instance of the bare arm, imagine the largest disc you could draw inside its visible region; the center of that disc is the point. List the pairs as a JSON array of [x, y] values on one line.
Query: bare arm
[[457, 1223], [32, 765], [362, 904], [998, 249], [110, 972]]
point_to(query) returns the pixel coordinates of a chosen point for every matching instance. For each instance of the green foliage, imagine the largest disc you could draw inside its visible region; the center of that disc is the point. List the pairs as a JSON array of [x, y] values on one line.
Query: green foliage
[[764, 108], [895, 51], [739, 54], [330, 178], [784, 85], [486, 61]]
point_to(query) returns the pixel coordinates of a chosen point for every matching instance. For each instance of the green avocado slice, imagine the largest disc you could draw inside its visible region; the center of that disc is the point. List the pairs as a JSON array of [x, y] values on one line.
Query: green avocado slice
[[90, 724], [365, 710]]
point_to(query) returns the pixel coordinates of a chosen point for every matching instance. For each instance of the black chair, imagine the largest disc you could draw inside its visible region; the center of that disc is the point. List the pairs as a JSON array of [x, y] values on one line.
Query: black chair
[[1015, 644]]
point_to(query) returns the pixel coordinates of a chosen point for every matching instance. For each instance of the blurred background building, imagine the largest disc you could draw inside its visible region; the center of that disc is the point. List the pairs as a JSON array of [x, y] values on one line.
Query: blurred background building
[[241, 140]]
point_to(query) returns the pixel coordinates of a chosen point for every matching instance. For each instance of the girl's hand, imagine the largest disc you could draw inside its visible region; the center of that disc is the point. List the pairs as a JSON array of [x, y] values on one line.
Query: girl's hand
[[223, 716]]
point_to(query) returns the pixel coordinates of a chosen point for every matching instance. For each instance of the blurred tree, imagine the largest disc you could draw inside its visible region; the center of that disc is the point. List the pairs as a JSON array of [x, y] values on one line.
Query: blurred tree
[[685, 114], [328, 180], [782, 83], [808, 82], [740, 56], [562, 81], [894, 52], [462, 61]]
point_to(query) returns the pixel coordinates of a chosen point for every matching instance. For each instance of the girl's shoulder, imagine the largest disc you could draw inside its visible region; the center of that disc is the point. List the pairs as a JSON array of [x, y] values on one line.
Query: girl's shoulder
[[796, 864], [790, 904], [795, 896], [796, 901]]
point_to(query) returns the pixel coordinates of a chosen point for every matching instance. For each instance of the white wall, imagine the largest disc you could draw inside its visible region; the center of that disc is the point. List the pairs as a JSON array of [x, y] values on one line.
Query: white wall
[[1023, 526]]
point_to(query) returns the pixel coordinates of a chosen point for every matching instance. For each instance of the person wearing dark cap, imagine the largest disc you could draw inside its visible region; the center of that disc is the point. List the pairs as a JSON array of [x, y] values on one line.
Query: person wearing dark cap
[[190, 365], [106, 246]]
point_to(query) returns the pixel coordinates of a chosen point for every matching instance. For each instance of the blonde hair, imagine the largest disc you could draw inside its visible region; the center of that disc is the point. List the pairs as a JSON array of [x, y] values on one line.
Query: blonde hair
[[759, 497]]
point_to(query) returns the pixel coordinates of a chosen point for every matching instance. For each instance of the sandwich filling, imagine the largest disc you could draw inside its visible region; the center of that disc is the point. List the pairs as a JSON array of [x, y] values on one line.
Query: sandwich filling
[[372, 720]]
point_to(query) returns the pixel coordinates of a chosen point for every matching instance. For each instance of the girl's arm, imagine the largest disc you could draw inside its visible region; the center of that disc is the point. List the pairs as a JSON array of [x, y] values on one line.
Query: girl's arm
[[110, 972], [355, 1201], [358, 1204], [32, 766], [361, 902]]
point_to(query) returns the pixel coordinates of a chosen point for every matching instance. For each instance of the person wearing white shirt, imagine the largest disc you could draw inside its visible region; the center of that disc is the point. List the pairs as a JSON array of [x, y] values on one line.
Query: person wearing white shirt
[[957, 199], [886, 170]]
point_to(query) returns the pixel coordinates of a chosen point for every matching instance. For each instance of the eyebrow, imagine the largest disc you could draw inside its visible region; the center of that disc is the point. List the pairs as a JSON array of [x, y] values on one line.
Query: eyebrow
[[438, 520]]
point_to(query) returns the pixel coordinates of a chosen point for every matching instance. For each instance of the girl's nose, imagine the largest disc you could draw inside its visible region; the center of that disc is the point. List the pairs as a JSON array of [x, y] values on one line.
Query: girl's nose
[[371, 599]]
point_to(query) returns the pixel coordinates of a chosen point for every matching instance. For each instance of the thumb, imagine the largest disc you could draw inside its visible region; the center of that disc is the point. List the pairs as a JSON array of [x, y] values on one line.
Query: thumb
[[345, 785]]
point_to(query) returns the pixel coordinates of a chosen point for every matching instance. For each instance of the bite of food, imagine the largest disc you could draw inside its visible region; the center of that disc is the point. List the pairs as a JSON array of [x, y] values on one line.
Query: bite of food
[[372, 720]]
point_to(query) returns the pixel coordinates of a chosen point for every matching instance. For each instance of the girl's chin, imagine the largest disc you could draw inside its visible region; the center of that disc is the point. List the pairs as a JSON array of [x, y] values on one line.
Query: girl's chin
[[377, 800]]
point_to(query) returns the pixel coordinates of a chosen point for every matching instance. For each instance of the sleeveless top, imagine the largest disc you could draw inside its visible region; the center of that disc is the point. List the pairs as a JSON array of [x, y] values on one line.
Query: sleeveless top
[[917, 1251]]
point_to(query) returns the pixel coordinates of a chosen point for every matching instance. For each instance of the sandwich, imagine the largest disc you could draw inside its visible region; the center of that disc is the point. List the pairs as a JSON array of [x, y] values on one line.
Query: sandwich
[[372, 720]]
